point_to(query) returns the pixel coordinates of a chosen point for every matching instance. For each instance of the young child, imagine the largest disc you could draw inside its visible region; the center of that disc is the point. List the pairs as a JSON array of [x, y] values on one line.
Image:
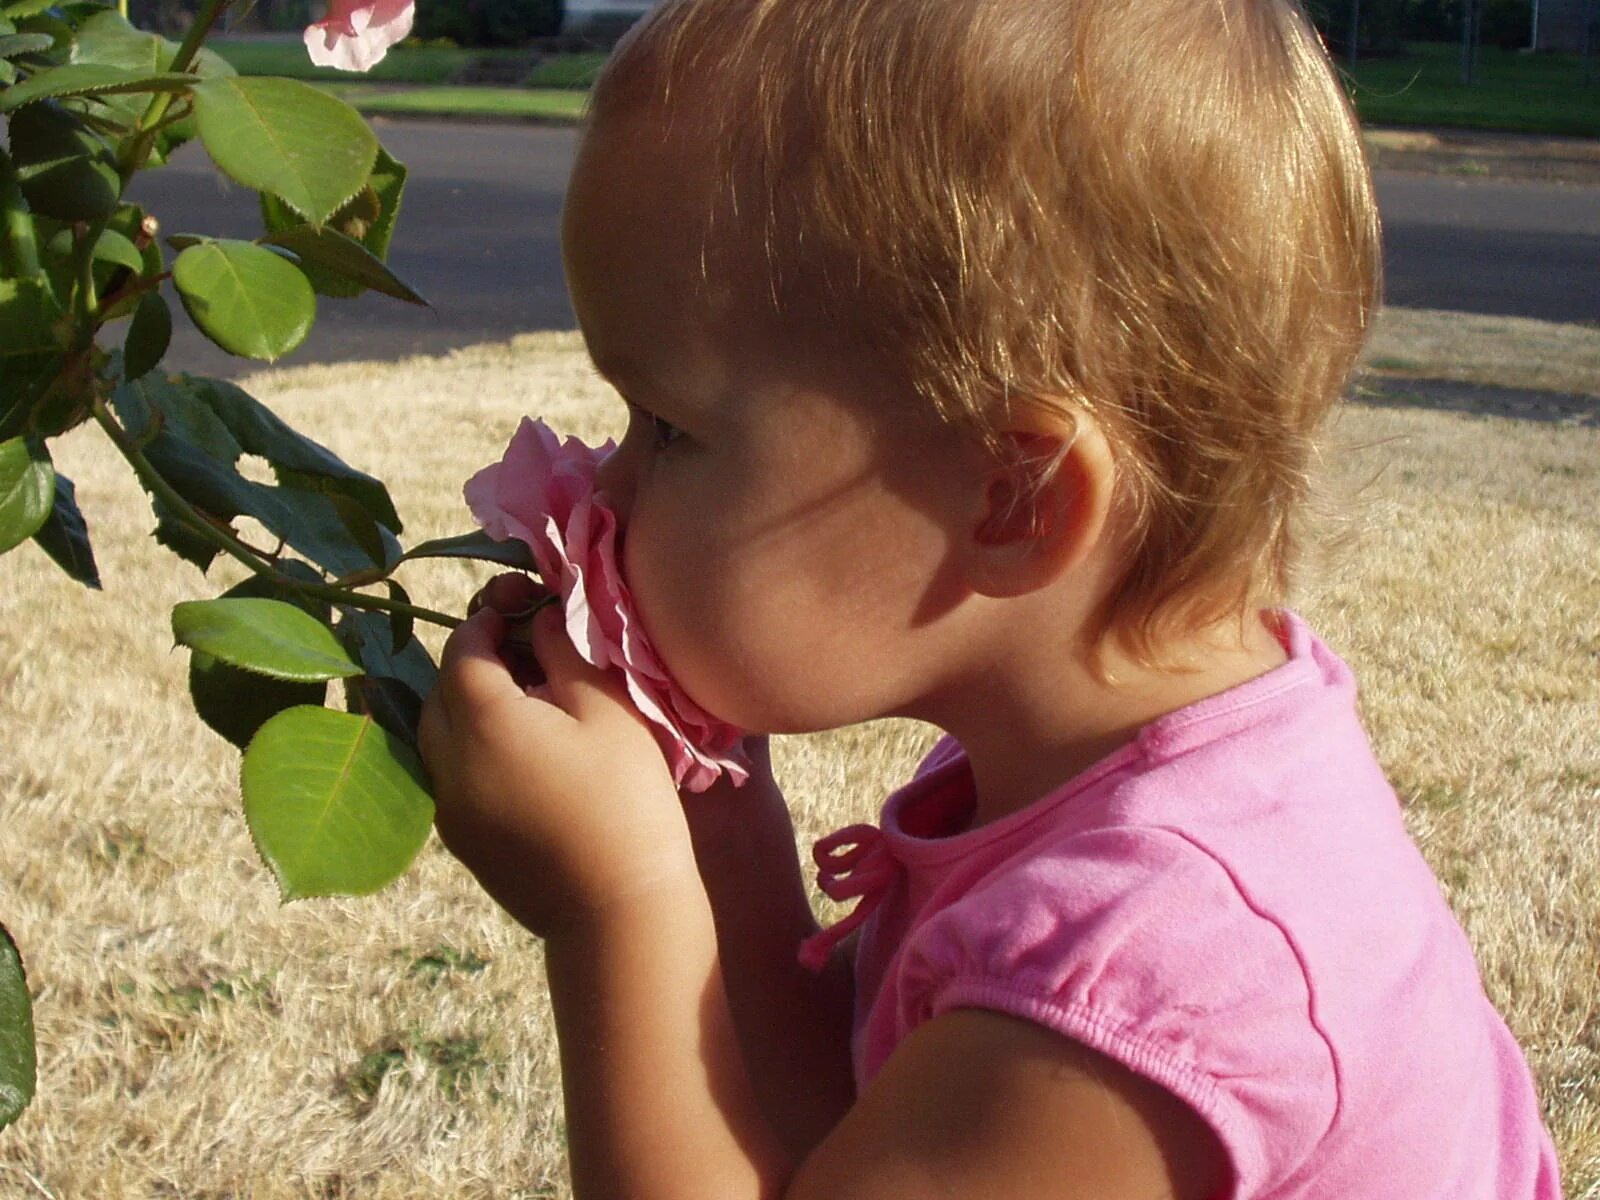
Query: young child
[[973, 352]]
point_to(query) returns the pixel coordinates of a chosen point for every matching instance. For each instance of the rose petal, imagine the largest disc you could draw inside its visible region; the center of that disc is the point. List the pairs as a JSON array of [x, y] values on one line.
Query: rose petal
[[542, 493], [356, 34]]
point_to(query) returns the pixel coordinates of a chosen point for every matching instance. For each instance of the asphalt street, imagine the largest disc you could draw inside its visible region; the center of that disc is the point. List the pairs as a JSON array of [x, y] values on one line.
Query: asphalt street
[[479, 238]]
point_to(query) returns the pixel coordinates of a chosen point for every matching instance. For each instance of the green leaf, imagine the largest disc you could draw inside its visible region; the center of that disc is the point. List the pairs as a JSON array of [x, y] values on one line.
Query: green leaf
[[398, 677], [37, 394], [297, 460], [285, 137], [24, 43], [28, 314], [129, 221], [369, 217], [89, 79], [345, 257], [41, 19], [18, 1059], [113, 247], [110, 247], [18, 9], [236, 703], [476, 545], [65, 536], [336, 804], [245, 298], [268, 637], [180, 539], [148, 336], [365, 532], [64, 170], [27, 490], [106, 39], [401, 625], [195, 451]]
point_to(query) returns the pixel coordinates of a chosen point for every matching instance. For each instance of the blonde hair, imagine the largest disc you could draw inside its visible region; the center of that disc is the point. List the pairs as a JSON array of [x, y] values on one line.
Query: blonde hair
[[1153, 213]]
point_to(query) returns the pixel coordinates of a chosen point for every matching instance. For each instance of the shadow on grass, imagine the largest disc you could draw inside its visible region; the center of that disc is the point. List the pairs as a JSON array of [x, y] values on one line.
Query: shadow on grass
[[1475, 399]]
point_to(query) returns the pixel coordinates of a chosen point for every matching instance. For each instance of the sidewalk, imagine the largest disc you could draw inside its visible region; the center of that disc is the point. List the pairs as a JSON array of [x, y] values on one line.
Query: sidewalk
[[1470, 152]]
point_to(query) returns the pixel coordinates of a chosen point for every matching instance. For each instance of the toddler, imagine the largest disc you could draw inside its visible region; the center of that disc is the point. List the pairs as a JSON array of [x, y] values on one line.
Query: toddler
[[973, 352]]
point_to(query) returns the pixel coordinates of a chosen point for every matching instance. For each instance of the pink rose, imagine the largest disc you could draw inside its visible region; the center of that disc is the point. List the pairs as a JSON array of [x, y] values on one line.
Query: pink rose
[[356, 34], [542, 493]]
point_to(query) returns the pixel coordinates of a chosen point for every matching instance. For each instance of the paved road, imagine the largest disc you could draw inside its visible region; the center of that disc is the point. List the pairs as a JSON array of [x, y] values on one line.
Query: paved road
[[479, 238]]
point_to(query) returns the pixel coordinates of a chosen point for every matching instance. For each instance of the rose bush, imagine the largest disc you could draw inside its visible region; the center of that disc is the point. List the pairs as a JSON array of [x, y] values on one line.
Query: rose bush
[[542, 494], [333, 791]]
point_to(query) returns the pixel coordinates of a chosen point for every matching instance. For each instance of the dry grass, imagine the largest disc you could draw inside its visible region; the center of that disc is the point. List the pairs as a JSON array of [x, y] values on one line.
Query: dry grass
[[1513, 352], [198, 1040]]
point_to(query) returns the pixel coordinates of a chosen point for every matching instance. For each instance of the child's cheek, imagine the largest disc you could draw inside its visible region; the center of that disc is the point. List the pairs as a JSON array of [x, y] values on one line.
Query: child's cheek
[[697, 599]]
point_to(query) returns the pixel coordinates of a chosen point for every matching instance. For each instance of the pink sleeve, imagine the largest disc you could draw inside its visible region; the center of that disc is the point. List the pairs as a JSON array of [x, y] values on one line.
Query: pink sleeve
[[1137, 943]]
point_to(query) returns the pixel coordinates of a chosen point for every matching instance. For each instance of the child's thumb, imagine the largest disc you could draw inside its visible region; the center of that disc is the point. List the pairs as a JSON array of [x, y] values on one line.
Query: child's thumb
[[575, 684]]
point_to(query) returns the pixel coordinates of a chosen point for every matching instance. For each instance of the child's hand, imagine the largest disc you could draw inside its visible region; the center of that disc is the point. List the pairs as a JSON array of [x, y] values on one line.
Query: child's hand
[[556, 797]]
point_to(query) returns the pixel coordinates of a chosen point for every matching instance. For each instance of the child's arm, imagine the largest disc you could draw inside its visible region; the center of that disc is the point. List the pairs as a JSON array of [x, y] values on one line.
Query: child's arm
[[564, 810], [794, 1027]]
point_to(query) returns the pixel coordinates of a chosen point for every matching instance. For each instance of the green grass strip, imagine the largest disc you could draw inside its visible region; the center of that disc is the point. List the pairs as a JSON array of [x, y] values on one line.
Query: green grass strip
[[524, 103]]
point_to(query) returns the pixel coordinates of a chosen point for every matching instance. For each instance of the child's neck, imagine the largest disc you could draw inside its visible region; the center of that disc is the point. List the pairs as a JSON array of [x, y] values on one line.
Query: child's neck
[[1042, 719]]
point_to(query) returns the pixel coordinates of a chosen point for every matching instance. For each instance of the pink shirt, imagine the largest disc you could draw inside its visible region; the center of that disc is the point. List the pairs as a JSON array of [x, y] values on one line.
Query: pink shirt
[[1231, 906]]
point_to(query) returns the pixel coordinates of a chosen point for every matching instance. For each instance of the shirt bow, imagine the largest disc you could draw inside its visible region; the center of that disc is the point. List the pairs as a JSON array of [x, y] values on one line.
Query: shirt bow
[[853, 862]]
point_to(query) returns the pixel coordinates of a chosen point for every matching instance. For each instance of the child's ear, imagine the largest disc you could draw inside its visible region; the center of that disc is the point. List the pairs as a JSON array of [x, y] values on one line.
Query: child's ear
[[1044, 505]]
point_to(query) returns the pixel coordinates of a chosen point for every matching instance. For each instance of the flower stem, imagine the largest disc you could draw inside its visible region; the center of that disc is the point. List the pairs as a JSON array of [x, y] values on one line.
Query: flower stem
[[231, 546], [137, 149]]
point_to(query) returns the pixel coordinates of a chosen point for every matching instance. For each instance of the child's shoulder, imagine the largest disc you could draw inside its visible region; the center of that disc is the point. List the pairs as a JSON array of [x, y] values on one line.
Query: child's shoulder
[[978, 1102]]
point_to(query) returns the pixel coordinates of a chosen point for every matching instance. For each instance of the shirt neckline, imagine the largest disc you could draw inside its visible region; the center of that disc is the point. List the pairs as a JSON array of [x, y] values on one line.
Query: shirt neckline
[[1175, 733]]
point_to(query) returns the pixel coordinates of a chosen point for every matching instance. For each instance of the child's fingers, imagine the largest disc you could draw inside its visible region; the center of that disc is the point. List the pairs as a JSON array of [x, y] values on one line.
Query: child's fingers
[[471, 672], [513, 593], [576, 685]]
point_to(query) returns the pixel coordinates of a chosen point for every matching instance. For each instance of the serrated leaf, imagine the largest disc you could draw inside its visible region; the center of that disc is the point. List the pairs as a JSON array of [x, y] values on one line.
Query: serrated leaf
[[304, 146], [148, 336], [344, 256], [297, 460], [476, 545], [27, 490], [14, 44], [107, 39], [268, 637], [195, 452], [369, 217], [65, 536], [18, 1058], [89, 79], [245, 298], [41, 19], [335, 803], [236, 703], [18, 9], [181, 540]]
